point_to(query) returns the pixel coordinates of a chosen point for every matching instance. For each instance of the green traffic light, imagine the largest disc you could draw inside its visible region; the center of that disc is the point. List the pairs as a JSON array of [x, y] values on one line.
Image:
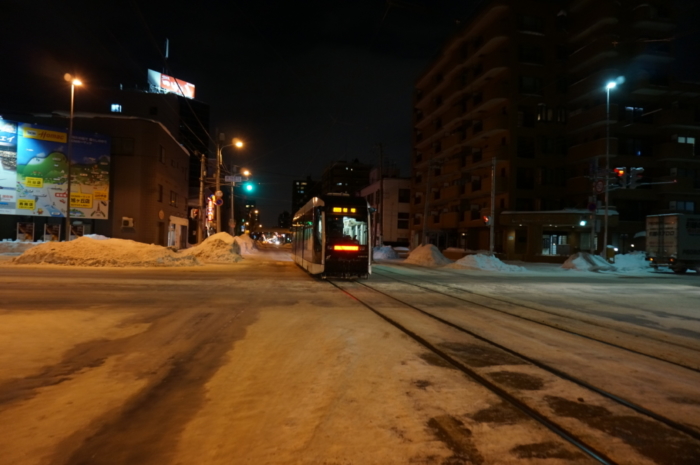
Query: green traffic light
[[249, 187]]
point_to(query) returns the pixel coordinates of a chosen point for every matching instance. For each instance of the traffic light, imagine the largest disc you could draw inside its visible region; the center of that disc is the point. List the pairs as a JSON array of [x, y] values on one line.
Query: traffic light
[[248, 187], [621, 177], [487, 220], [635, 176]]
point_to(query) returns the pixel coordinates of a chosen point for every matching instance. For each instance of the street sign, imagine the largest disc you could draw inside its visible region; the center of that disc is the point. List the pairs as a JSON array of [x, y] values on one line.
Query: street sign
[[233, 178], [219, 202], [218, 194]]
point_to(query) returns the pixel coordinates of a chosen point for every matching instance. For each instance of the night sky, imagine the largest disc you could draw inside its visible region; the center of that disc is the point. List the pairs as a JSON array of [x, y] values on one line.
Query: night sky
[[303, 83]]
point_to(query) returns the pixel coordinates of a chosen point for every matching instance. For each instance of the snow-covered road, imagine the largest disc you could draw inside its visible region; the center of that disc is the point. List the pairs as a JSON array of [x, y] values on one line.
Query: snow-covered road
[[252, 361]]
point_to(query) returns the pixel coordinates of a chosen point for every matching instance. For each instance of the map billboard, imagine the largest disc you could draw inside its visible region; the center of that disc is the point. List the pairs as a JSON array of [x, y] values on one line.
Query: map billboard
[[34, 174]]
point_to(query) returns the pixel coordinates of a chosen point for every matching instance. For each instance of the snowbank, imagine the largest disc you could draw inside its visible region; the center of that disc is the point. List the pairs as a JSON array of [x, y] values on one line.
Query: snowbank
[[221, 247], [486, 263], [86, 251], [16, 247], [384, 252], [427, 255], [584, 261], [247, 244], [635, 261]]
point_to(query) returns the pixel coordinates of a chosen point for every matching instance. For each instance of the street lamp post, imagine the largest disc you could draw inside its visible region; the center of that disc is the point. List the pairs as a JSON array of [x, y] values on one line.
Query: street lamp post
[[219, 149], [73, 82], [610, 85]]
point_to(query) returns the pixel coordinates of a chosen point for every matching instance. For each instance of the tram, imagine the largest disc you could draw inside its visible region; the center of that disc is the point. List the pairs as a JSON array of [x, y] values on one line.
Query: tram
[[331, 237]]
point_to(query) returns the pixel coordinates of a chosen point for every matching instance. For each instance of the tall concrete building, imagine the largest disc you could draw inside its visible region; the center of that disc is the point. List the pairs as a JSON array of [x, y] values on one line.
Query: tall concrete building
[[511, 126]]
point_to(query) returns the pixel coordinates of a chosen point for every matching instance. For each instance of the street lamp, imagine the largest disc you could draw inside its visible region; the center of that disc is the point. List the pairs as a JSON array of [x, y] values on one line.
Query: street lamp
[[234, 143], [610, 85], [73, 82]]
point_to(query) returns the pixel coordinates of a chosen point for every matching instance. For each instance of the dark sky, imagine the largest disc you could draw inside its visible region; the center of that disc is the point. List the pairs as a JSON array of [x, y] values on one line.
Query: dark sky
[[304, 83]]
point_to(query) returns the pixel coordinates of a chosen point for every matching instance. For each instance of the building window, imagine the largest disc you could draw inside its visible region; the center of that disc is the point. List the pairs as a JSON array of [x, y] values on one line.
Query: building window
[[404, 195], [530, 24], [682, 206], [476, 183], [526, 147], [162, 154], [173, 199], [525, 179], [116, 108], [531, 54], [160, 192], [403, 221], [530, 85], [122, 146]]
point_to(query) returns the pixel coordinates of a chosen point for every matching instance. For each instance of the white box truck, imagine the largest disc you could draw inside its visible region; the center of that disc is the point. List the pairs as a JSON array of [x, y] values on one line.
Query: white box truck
[[673, 240]]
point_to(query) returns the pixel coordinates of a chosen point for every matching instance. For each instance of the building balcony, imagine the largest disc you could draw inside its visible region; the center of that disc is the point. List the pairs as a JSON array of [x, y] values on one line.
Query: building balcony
[[677, 118], [598, 49], [649, 17], [589, 150], [591, 20], [659, 52], [674, 151], [587, 119]]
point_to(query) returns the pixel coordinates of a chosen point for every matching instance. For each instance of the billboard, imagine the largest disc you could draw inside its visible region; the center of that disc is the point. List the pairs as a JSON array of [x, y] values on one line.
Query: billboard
[[34, 172], [170, 84]]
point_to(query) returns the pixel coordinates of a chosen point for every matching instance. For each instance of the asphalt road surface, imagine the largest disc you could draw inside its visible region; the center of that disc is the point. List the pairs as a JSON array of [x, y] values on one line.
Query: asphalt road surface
[[258, 363]]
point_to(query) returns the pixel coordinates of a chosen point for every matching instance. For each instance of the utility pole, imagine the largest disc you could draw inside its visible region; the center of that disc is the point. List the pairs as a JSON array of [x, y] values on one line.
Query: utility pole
[[202, 175], [381, 196], [425, 206], [232, 228], [493, 204], [218, 181]]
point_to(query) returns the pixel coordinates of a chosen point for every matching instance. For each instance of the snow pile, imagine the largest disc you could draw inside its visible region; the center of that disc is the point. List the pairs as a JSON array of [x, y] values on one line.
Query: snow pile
[[584, 261], [246, 244], [86, 251], [427, 255], [16, 247], [487, 263], [384, 252], [221, 247], [635, 261]]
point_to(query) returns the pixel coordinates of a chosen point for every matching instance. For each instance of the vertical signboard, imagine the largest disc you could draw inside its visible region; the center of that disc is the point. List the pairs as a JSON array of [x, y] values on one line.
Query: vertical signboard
[[8, 166], [34, 176]]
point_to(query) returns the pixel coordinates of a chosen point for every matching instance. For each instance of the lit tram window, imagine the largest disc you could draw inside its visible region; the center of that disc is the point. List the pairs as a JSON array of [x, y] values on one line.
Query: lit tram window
[[346, 247], [337, 209], [353, 210], [345, 210]]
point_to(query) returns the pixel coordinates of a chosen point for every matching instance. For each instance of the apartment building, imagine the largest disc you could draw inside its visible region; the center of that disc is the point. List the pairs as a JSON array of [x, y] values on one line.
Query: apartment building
[[390, 196], [511, 125]]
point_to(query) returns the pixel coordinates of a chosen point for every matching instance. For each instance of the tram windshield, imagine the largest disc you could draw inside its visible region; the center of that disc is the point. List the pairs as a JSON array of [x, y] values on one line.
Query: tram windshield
[[345, 228]]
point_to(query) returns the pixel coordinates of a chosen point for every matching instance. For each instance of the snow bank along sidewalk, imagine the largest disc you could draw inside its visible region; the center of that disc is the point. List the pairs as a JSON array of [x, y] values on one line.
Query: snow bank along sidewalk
[[100, 251]]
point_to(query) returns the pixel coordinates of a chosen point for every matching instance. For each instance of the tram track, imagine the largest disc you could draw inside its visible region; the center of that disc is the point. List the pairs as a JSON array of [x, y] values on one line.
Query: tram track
[[680, 355], [661, 425]]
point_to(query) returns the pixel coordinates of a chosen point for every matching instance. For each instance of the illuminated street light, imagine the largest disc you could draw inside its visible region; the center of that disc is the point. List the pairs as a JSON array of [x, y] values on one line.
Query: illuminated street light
[[73, 83], [610, 85], [234, 143]]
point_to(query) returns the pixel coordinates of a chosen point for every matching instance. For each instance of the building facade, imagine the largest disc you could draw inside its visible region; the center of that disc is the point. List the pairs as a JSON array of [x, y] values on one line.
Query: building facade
[[344, 177], [511, 125], [390, 196], [149, 172]]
